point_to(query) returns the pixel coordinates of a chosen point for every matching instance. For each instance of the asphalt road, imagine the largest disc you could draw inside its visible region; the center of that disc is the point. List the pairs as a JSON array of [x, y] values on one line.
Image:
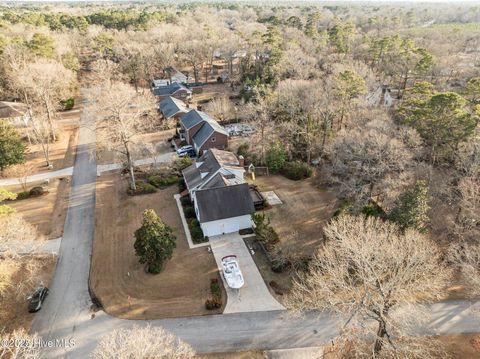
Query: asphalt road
[[67, 315]]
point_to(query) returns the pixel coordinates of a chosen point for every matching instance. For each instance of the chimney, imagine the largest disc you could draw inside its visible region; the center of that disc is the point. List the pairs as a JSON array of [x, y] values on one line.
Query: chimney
[[241, 161]]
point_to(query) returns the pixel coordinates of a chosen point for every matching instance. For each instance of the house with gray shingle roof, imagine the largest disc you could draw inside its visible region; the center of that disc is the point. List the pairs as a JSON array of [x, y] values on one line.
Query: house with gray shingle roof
[[173, 89], [202, 131], [171, 107], [220, 195]]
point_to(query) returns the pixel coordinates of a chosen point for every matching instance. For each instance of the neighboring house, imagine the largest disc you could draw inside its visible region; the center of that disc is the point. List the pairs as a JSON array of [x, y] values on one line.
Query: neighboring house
[[202, 132], [171, 107], [176, 76], [16, 113], [173, 89], [220, 195]]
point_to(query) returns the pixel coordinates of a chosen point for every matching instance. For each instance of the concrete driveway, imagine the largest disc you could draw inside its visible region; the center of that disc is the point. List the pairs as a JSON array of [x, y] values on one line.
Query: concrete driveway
[[254, 296]]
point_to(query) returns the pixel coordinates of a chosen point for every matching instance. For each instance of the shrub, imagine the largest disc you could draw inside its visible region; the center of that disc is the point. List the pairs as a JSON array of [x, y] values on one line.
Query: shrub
[[264, 231], [278, 265], [142, 188], [296, 170], [216, 290], [189, 212], [344, 208], [183, 162], [67, 104], [23, 195], [197, 233], [185, 201], [37, 191], [162, 181], [243, 150], [275, 157], [181, 185], [213, 303], [372, 209]]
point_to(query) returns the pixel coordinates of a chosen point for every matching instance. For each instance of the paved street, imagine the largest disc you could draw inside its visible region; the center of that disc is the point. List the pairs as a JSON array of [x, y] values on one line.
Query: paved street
[[66, 313], [254, 295]]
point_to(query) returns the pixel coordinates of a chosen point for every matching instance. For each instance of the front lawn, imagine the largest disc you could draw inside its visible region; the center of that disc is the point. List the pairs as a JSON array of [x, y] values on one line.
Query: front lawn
[[119, 281]]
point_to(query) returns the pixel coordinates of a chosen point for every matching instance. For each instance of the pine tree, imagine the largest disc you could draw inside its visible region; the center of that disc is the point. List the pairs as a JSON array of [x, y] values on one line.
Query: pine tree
[[154, 242], [411, 208]]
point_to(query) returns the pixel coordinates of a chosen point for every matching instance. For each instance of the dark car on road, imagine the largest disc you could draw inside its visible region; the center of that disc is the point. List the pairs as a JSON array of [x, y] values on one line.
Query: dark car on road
[[35, 301]]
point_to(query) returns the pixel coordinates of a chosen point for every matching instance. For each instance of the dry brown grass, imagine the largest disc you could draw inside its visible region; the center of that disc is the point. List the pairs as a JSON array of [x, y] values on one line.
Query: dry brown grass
[[304, 212], [119, 280], [13, 306], [47, 212]]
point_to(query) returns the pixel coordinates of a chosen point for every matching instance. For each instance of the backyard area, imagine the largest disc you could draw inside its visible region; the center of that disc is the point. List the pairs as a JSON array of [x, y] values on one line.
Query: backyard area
[[305, 210], [120, 282]]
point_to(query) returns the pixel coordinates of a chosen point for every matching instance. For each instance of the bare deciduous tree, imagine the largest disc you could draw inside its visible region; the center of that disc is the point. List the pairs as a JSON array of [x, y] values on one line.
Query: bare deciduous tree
[[124, 113], [371, 273], [220, 108], [142, 343], [467, 257]]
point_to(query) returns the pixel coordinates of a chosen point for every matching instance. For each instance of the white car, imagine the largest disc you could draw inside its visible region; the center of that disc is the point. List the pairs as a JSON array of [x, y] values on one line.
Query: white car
[[231, 272], [182, 151]]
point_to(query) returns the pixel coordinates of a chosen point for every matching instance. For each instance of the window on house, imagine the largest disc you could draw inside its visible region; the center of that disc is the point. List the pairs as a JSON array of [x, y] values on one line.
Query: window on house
[[213, 139]]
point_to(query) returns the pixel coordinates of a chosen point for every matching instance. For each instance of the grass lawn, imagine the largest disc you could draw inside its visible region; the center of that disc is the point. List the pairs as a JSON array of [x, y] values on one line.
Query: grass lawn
[[46, 212], [304, 212], [119, 281]]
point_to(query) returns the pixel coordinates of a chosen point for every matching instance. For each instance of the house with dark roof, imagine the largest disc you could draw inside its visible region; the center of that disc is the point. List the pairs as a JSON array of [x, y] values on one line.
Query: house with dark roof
[[173, 89], [202, 131], [171, 107], [220, 195]]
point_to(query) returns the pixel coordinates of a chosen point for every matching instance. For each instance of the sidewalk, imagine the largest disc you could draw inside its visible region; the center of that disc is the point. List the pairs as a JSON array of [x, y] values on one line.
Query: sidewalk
[[64, 172]]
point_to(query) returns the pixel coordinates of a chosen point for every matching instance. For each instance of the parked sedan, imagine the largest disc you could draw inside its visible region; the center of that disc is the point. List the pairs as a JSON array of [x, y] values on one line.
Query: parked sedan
[[35, 301]]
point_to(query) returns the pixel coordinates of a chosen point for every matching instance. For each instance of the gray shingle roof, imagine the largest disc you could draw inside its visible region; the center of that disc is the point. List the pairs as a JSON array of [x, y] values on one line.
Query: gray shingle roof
[[224, 202], [170, 106], [210, 162], [169, 89], [192, 118]]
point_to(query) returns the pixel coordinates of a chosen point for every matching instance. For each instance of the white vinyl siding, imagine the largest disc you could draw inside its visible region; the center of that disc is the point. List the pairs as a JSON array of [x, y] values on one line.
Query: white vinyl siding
[[227, 225]]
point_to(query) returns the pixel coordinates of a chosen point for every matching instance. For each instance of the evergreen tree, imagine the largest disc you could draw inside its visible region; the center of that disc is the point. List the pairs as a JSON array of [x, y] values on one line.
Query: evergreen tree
[[12, 149], [411, 208], [275, 157], [154, 242], [42, 45], [6, 195]]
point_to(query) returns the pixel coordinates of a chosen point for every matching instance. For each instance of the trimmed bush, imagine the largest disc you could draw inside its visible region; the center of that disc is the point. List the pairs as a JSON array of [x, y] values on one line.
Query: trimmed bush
[[296, 170], [189, 212], [162, 181], [23, 195], [142, 188], [37, 191], [185, 201], [197, 233]]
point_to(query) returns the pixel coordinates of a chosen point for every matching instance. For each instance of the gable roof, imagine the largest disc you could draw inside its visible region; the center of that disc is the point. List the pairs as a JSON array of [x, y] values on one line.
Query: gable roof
[[224, 202], [193, 118], [169, 89], [208, 163], [170, 106]]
